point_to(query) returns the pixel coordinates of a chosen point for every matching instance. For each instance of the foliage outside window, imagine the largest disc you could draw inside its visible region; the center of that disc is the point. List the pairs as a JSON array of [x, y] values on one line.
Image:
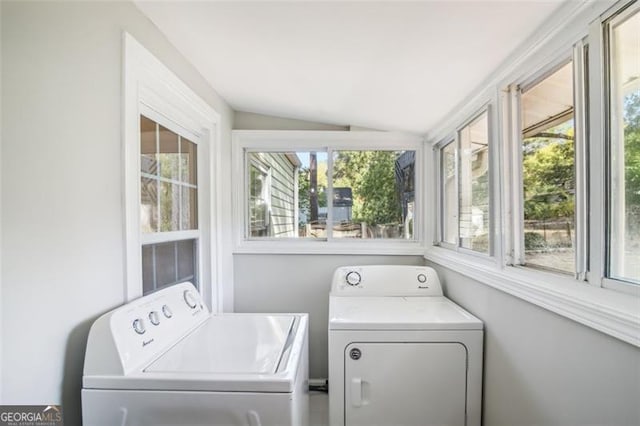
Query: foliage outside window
[[371, 193], [624, 126], [548, 172], [168, 206]]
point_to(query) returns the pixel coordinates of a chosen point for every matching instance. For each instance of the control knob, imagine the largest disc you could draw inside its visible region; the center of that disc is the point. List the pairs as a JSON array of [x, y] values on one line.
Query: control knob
[[190, 299], [154, 317], [166, 311], [138, 326], [353, 278]]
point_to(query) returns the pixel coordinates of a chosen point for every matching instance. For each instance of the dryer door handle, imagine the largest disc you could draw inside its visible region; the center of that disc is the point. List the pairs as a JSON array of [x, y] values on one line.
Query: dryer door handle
[[356, 392]]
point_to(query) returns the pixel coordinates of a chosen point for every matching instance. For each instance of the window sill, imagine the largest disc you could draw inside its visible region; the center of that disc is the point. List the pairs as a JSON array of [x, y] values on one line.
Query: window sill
[[611, 312], [370, 247]]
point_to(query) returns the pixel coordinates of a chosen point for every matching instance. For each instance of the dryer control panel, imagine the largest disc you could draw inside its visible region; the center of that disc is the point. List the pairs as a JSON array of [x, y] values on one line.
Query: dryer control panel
[[385, 280]]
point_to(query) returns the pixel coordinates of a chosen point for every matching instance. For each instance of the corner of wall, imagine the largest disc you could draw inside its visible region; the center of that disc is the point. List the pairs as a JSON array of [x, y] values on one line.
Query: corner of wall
[[243, 120]]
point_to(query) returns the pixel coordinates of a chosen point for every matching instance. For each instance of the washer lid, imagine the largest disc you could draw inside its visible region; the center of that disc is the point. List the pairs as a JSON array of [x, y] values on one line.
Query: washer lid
[[229, 353], [399, 313], [229, 344]]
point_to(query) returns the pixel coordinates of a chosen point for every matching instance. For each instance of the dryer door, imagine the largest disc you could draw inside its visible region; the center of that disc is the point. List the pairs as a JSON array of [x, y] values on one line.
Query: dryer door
[[399, 383]]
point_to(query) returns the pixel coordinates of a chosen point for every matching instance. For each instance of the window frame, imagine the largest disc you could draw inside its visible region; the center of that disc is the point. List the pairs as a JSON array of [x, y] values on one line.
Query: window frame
[[575, 56], [322, 141], [455, 139], [265, 171], [152, 90], [605, 25]]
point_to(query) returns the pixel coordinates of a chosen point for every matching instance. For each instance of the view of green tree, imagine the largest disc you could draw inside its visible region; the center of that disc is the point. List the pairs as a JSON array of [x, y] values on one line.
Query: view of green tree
[[371, 176], [632, 151], [549, 174]]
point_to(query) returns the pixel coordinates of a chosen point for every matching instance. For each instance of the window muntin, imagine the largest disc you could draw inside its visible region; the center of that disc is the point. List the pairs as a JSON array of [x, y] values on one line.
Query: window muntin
[[168, 206], [449, 189], [473, 196], [548, 172], [372, 194], [624, 148]]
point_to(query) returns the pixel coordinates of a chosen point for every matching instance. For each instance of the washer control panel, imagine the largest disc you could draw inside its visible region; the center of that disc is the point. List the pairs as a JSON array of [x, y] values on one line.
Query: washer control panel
[[146, 326], [386, 280]]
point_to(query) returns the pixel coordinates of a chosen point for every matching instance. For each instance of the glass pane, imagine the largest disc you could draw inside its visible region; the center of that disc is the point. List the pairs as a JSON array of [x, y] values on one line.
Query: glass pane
[[148, 148], [169, 202], [148, 205], [165, 262], [169, 154], [374, 194], [548, 172], [189, 161], [189, 210], [186, 260], [449, 195], [168, 263], [287, 194], [474, 185], [624, 204], [148, 269]]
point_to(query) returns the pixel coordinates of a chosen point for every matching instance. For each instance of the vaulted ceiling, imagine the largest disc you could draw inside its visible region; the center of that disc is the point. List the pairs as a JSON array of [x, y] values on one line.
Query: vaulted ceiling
[[389, 65]]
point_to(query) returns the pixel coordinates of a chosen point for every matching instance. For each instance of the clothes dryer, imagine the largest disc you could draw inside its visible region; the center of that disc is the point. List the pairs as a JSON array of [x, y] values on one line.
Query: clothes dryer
[[400, 353]]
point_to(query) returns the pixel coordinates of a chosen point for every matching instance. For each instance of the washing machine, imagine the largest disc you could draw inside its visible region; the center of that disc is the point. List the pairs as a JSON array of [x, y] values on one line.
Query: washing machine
[[164, 359], [400, 353]]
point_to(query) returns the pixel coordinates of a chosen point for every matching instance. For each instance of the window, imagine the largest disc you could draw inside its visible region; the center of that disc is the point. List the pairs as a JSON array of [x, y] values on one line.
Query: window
[[326, 187], [624, 147], [548, 171], [373, 194], [171, 182], [168, 206], [464, 185]]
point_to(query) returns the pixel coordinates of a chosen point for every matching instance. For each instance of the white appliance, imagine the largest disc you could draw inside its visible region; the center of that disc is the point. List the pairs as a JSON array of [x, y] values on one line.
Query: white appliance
[[164, 359], [400, 353]]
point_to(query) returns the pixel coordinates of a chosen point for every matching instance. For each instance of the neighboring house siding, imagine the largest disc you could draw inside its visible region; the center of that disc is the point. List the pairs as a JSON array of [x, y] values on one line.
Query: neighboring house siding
[[282, 212]]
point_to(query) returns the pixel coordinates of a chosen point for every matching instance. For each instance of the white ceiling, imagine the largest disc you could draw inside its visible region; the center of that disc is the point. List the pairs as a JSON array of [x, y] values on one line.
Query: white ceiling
[[386, 65]]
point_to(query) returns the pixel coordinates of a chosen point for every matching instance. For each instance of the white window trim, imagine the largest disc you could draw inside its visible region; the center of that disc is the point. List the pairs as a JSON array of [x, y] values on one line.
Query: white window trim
[[611, 312], [151, 87], [329, 141], [616, 313]]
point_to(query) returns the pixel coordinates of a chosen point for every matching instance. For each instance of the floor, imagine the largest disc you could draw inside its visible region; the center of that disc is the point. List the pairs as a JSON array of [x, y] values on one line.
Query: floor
[[318, 409]]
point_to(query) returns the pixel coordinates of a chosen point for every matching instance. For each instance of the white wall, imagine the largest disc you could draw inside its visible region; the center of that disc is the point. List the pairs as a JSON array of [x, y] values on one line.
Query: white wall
[[1, 327], [544, 369], [298, 283], [62, 217]]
